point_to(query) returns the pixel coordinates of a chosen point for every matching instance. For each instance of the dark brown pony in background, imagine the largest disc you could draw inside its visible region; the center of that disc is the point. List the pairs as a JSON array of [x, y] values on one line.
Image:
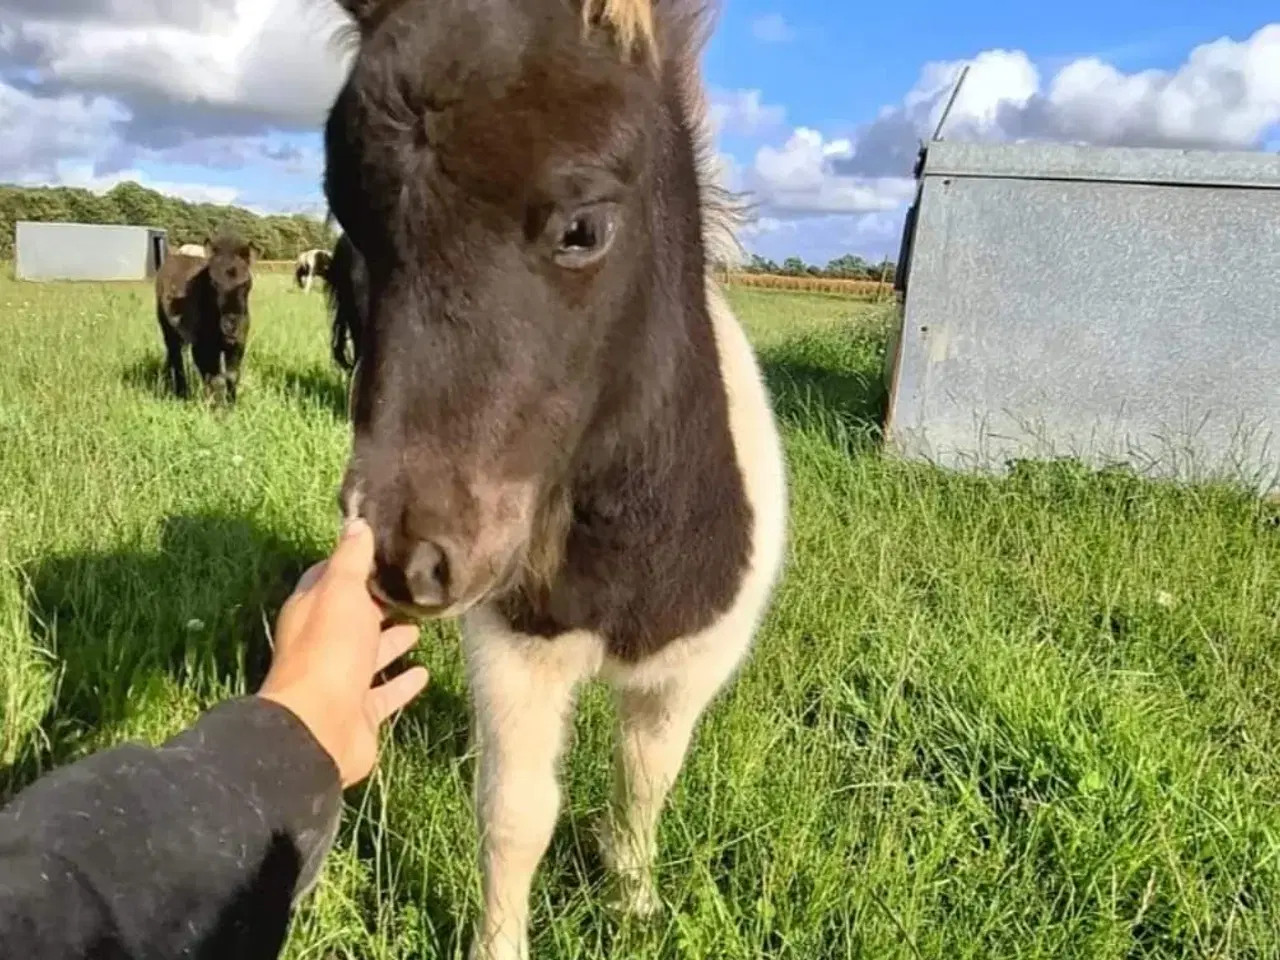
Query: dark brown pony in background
[[347, 295], [202, 302], [561, 434]]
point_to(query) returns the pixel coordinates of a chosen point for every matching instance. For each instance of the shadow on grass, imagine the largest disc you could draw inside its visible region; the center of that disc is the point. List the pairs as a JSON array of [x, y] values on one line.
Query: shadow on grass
[[131, 626], [150, 375], [195, 613], [145, 633], [314, 386], [804, 391], [446, 717], [570, 865], [418, 889]]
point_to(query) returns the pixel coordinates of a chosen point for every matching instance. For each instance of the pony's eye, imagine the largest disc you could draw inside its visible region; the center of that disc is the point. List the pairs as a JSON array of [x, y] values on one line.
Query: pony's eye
[[581, 235], [585, 237]]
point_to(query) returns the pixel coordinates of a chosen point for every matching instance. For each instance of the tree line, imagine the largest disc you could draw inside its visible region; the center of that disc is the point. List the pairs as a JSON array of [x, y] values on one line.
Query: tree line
[[847, 267], [277, 236]]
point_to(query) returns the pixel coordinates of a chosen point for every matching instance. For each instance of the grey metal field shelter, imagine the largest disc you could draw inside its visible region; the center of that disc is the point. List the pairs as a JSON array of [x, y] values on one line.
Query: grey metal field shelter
[[87, 251], [1119, 305]]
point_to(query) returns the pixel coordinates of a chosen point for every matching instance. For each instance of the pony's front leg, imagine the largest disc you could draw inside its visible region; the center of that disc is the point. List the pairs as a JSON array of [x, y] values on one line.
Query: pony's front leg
[[651, 740], [522, 689], [658, 709], [233, 357]]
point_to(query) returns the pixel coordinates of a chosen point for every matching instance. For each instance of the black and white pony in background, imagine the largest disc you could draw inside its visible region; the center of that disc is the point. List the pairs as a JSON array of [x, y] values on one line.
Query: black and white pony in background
[[309, 265]]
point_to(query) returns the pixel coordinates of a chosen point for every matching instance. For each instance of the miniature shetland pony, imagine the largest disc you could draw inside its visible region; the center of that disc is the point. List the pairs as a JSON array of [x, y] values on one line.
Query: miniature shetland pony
[[560, 431]]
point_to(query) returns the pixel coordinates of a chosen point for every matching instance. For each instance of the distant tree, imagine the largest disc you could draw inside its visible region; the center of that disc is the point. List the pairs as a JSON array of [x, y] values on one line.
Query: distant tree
[[85, 206], [138, 206], [885, 270], [759, 264], [793, 266], [278, 236], [849, 267]]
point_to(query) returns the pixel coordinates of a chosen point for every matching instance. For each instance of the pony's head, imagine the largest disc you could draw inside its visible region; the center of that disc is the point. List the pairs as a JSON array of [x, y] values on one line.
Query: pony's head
[[231, 259], [524, 180]]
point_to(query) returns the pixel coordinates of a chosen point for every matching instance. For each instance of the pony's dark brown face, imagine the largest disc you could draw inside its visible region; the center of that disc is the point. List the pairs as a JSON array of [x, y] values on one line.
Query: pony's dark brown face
[[230, 263], [489, 158]]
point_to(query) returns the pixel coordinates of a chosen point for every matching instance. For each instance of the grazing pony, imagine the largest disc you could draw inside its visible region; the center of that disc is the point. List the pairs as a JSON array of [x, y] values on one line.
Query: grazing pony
[[203, 302], [309, 265], [560, 430], [347, 293]]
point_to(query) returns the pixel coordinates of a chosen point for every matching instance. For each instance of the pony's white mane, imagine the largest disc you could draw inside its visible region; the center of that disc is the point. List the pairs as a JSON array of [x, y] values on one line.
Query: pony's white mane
[[724, 212]]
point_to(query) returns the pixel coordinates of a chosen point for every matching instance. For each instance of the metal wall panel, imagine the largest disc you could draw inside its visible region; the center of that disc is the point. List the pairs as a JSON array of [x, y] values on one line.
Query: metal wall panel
[[1110, 304], [82, 251]]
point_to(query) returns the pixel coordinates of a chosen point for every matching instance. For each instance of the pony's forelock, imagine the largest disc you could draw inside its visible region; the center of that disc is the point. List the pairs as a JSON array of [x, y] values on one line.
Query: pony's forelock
[[630, 21]]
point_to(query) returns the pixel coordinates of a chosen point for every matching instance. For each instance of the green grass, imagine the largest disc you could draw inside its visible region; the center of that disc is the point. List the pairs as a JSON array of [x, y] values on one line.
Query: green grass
[[1034, 717]]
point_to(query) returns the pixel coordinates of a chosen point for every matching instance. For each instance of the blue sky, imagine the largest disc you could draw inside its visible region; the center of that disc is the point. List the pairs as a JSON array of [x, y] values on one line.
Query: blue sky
[[819, 103], [835, 71]]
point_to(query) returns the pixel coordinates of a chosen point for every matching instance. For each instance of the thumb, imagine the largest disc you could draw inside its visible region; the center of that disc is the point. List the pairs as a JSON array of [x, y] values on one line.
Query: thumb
[[353, 557]]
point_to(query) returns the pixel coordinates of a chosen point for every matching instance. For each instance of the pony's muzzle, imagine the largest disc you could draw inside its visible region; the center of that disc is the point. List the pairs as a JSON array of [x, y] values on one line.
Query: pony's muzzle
[[420, 577]]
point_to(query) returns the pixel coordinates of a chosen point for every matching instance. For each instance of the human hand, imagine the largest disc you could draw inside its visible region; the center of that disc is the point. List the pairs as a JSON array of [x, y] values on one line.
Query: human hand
[[329, 645]]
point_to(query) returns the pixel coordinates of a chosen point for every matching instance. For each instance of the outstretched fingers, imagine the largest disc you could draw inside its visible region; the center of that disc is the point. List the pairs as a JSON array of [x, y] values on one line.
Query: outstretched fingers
[[392, 696], [395, 643]]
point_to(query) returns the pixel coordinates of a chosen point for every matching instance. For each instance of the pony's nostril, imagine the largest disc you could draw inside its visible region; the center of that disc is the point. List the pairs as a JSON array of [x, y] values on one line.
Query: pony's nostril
[[427, 574], [388, 583]]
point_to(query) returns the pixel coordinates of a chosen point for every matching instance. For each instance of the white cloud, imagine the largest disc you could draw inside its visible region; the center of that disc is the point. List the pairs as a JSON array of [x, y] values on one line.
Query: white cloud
[[120, 11], [744, 112], [1226, 95], [72, 140], [800, 177], [82, 175], [269, 58], [762, 226], [233, 153], [772, 28], [36, 132]]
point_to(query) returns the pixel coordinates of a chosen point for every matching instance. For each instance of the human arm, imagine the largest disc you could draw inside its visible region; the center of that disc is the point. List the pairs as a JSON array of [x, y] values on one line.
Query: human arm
[[151, 852], [199, 847]]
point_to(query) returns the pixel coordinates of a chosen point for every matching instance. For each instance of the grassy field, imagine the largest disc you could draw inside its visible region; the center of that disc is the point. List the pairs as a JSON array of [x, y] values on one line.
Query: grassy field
[[1032, 718]]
